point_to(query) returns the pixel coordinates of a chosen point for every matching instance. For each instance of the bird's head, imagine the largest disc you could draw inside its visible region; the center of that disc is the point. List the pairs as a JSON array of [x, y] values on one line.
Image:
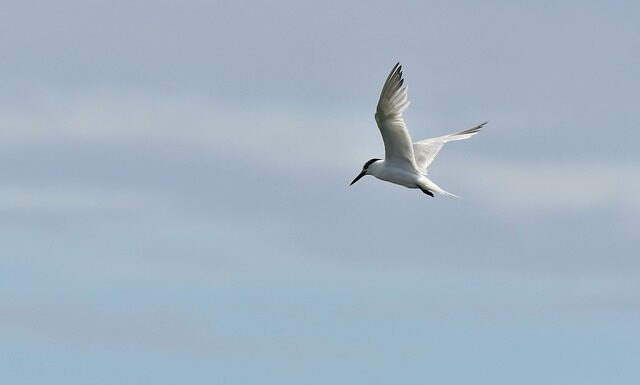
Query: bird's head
[[365, 168]]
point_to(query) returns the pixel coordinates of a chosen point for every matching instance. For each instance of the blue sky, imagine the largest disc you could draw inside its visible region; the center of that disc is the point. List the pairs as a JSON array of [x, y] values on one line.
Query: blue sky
[[174, 200]]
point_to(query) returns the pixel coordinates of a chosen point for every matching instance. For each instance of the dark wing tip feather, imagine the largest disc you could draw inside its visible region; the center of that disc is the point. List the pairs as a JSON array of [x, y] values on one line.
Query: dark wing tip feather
[[473, 129], [393, 71], [395, 81], [392, 91]]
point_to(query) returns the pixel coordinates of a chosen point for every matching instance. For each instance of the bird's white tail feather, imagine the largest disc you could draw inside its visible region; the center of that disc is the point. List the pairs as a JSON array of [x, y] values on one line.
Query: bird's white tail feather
[[450, 194], [429, 185]]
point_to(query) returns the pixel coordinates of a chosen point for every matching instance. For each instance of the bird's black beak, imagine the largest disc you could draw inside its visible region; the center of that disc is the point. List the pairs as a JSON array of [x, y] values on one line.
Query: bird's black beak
[[363, 173]]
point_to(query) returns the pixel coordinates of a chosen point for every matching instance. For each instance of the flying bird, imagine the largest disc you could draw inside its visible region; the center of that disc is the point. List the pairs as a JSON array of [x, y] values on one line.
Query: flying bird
[[405, 163]]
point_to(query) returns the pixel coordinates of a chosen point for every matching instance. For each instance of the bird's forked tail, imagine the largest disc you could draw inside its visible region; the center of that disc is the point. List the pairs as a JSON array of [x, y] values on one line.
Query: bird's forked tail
[[427, 184]]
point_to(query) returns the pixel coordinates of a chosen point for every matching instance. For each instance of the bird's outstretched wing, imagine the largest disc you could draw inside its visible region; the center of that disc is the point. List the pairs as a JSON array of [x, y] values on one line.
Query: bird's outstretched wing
[[398, 149], [426, 150]]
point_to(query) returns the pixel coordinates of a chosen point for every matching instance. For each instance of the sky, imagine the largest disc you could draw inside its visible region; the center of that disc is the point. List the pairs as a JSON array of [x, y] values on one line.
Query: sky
[[175, 208]]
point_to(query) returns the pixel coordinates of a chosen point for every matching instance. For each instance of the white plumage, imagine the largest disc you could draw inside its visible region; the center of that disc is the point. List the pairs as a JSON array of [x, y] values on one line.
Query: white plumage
[[405, 163]]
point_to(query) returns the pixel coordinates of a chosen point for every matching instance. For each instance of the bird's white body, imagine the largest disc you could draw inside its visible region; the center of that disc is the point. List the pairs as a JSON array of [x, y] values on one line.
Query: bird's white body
[[405, 162], [394, 174]]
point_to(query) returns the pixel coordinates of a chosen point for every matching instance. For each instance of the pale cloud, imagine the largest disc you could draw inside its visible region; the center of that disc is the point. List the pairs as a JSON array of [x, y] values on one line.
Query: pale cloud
[[285, 139], [72, 199], [175, 183], [574, 186], [278, 134], [73, 324]]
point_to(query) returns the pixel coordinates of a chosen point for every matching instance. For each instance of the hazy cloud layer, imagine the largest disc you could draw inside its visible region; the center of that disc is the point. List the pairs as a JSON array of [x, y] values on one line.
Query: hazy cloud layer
[[174, 200]]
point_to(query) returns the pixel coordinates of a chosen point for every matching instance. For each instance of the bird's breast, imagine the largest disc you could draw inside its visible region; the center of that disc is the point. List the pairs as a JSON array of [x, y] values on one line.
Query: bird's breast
[[398, 176]]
